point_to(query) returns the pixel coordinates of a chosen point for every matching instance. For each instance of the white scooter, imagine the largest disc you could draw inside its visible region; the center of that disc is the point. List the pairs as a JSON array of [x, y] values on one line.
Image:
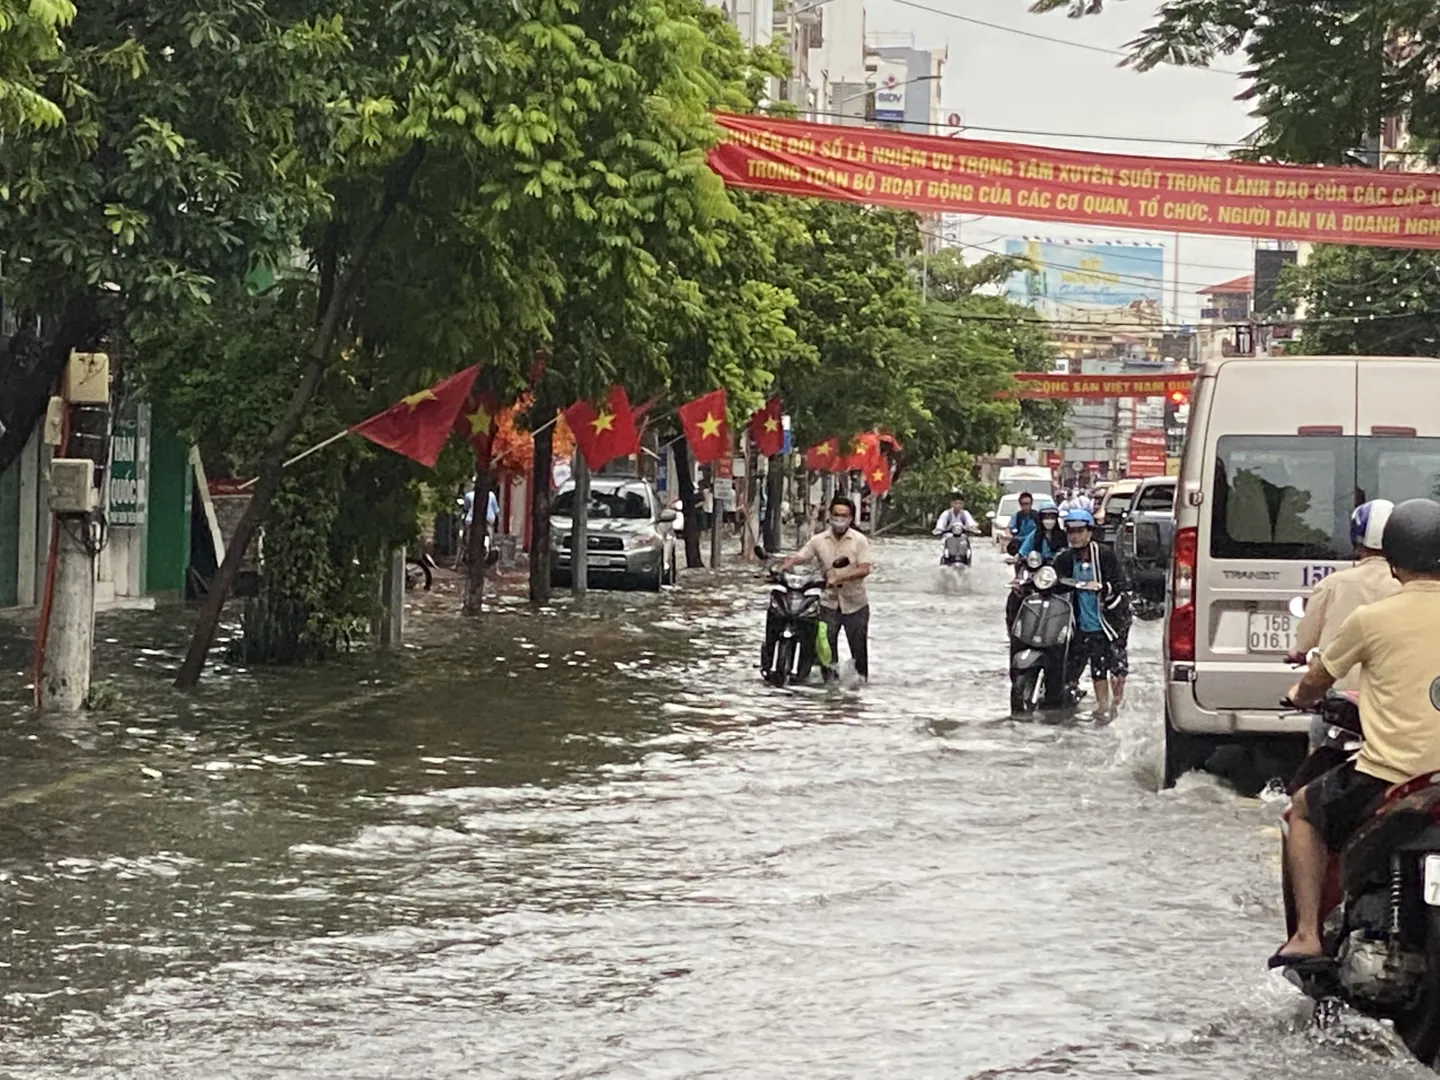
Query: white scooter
[[956, 548]]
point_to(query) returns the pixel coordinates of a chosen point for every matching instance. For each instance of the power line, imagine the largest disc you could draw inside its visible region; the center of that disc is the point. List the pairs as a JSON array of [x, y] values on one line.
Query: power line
[[1043, 37]]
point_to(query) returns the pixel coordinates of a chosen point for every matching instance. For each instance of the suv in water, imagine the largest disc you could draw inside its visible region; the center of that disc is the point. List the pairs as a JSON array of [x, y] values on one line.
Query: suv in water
[[1278, 453], [630, 539]]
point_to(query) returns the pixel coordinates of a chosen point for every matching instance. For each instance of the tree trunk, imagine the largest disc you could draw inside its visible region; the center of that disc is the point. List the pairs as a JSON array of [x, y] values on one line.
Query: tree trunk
[[690, 503], [540, 515], [580, 531], [31, 366], [774, 497], [335, 292], [476, 563]]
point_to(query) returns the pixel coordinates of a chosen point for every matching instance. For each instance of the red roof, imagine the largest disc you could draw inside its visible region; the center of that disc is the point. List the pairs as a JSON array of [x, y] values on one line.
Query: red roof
[[1244, 284]]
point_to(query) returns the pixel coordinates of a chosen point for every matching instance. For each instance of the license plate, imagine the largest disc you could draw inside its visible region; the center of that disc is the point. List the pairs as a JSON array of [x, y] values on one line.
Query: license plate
[[1432, 880], [1271, 632], [604, 562]]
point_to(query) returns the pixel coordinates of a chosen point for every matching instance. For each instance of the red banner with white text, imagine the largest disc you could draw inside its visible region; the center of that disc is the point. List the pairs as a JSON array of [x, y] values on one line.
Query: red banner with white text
[[1035, 384], [931, 173]]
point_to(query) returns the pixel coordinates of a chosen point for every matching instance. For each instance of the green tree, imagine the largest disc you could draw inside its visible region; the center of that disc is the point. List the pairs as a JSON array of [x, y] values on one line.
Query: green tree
[[1368, 301], [1323, 75], [29, 33]]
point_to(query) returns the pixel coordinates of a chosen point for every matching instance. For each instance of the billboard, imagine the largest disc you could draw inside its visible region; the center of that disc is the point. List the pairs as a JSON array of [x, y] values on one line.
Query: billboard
[[890, 79], [1089, 281]]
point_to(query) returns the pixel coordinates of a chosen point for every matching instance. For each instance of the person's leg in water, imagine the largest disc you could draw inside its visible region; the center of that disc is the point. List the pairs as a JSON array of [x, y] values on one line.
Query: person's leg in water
[[1306, 858], [1119, 671], [857, 637], [831, 618]]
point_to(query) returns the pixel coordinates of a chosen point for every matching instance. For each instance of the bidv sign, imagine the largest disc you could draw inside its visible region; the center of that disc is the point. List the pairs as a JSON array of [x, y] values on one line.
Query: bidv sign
[[890, 92]]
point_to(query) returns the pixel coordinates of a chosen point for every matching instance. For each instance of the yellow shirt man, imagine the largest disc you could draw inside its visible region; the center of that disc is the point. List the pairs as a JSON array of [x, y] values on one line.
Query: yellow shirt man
[[1393, 641]]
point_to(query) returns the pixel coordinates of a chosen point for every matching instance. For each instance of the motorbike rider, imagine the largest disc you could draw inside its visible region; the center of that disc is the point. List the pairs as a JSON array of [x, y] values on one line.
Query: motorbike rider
[[1100, 595], [1393, 643], [1338, 595], [956, 515], [844, 603], [1048, 539], [1024, 522]]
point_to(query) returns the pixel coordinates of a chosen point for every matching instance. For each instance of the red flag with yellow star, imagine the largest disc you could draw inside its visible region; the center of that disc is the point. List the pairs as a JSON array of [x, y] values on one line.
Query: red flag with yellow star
[[476, 424], [766, 431], [877, 475], [704, 422], [825, 457], [605, 432], [418, 425], [864, 449]]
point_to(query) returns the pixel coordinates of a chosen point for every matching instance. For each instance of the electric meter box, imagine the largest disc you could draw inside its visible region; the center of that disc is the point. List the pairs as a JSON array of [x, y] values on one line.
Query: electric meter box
[[87, 379], [72, 490]]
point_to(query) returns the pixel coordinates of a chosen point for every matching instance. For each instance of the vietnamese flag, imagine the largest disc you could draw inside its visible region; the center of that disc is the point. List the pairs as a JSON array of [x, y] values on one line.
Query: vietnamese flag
[[766, 431], [877, 475], [476, 423], [704, 422], [606, 432], [418, 425], [823, 457], [864, 450]]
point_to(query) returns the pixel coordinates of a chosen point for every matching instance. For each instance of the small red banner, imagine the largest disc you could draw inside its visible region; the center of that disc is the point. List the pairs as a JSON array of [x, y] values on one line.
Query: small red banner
[[930, 174], [1035, 384]]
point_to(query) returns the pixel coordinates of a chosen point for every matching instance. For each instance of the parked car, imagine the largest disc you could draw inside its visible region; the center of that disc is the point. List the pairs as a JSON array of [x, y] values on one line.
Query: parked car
[[999, 518], [1278, 453], [1111, 509], [630, 543], [1146, 537]]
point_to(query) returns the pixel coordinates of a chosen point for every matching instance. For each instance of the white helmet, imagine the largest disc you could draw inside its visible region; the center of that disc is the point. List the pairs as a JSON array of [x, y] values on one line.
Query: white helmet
[[1367, 523]]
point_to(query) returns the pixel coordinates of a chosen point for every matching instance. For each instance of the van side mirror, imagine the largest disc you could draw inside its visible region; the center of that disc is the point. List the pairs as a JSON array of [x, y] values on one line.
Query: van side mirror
[[668, 515]]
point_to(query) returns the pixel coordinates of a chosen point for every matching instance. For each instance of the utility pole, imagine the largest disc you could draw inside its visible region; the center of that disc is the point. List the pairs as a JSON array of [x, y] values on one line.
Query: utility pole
[[66, 634], [717, 512], [580, 530]]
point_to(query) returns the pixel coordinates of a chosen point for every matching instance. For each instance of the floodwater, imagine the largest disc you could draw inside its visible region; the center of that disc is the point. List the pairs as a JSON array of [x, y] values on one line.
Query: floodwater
[[564, 846]]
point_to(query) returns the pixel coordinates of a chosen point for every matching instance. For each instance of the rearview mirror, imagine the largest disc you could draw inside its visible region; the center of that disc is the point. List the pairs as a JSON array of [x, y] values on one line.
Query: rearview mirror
[[1297, 606], [990, 515], [840, 563], [668, 515]]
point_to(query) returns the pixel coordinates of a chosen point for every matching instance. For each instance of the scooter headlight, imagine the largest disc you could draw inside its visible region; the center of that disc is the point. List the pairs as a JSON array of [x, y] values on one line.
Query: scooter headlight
[[1045, 577]]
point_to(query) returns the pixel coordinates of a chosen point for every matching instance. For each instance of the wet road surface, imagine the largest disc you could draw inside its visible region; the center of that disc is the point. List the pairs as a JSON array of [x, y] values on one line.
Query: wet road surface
[[565, 846]]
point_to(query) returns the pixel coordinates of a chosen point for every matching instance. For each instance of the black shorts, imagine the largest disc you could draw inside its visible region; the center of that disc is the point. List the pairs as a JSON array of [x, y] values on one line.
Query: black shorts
[[1340, 801], [1108, 659]]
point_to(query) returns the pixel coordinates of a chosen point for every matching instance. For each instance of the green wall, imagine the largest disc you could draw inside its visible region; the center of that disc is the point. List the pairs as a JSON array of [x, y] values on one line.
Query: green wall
[[167, 554]]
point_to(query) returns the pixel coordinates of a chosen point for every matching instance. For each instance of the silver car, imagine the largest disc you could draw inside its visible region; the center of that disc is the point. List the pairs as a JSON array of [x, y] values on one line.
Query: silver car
[[631, 542]]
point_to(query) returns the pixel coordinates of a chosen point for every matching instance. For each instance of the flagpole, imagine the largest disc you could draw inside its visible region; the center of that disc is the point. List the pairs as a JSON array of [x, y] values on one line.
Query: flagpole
[[300, 456]]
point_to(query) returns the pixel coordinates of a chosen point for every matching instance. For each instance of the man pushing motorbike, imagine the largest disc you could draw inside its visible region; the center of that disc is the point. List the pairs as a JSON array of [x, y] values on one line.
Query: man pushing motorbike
[[1101, 599], [844, 603], [1393, 642]]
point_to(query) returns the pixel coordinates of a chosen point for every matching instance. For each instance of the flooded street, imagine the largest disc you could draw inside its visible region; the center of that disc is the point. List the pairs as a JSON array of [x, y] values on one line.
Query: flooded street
[[563, 848]]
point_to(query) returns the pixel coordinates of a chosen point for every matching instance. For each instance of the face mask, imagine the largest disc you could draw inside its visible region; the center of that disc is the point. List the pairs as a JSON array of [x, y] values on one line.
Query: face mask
[[839, 526]]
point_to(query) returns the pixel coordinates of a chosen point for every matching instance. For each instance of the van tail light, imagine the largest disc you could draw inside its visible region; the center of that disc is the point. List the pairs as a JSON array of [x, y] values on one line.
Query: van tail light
[[1180, 627]]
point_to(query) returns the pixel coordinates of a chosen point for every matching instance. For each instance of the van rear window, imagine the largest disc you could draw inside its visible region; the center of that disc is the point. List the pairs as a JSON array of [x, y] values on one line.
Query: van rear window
[[1282, 497], [1290, 497]]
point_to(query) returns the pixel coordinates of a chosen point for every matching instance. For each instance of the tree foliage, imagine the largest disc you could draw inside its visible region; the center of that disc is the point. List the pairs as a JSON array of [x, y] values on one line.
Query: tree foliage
[[1368, 301], [1323, 75]]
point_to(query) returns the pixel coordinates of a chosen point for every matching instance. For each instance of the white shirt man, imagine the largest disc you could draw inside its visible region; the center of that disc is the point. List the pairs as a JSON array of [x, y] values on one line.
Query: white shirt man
[[955, 515]]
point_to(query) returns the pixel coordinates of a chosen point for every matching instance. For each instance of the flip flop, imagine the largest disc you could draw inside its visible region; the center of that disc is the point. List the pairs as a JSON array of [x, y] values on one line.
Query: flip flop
[[1298, 961]]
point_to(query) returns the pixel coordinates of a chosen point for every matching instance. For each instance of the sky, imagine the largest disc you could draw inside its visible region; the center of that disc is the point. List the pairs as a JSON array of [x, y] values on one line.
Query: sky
[[995, 79]]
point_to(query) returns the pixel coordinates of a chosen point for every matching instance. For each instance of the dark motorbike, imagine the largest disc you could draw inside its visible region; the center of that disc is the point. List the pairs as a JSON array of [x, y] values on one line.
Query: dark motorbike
[[1040, 635], [792, 619], [1381, 900], [956, 549]]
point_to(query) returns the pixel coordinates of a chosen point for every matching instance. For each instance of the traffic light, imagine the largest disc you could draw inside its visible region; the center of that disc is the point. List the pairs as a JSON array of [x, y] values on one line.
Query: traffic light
[[1174, 424]]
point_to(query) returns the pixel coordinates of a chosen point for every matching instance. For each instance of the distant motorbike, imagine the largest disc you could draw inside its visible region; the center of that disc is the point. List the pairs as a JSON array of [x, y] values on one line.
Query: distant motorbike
[[1040, 635], [792, 620], [955, 550], [420, 568], [1382, 900]]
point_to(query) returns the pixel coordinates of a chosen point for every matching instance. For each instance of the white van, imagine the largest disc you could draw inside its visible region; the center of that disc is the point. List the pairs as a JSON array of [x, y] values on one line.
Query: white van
[[1036, 479], [1278, 454]]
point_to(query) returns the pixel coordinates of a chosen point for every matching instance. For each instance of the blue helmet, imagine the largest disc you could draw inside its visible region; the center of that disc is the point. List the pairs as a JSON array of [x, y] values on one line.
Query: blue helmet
[[1080, 517], [1367, 523]]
